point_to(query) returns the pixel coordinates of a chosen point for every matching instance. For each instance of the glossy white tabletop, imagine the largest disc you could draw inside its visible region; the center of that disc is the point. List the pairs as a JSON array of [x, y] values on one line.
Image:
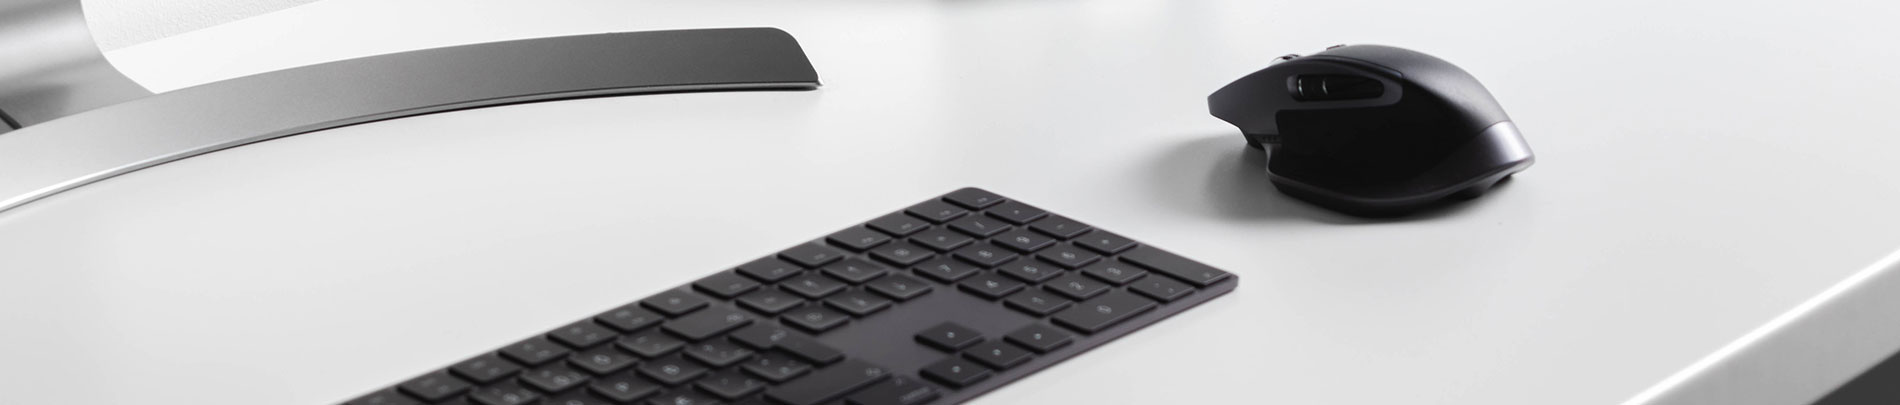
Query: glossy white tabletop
[[1701, 169]]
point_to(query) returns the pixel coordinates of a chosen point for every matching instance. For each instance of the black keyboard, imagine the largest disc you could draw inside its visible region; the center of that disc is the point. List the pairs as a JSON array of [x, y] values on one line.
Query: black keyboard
[[937, 303]]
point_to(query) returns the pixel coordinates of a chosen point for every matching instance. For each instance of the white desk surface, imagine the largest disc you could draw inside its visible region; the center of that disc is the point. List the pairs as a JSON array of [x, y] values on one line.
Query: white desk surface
[[1701, 168]]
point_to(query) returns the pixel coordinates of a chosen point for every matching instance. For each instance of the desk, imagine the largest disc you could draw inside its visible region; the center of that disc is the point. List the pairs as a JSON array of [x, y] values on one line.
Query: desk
[[1700, 170]]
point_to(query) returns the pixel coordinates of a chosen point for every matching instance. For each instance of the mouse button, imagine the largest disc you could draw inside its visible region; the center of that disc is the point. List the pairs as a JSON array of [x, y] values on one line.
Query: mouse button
[[1336, 87], [1352, 87], [1334, 83]]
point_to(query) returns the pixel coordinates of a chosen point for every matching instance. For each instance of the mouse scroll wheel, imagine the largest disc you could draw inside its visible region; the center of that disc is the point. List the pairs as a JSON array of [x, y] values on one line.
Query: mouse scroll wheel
[[1336, 87]]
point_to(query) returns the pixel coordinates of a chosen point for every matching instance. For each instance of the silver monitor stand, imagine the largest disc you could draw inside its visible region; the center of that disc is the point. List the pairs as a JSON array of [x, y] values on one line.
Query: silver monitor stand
[[75, 120]]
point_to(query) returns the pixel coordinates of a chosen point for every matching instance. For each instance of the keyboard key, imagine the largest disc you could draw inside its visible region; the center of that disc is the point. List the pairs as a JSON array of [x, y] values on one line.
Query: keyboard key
[[1040, 338], [1076, 286], [990, 285], [942, 240], [603, 360], [973, 198], [858, 302], [485, 369], [725, 285], [554, 378], [806, 348], [812, 255], [577, 397], [815, 318], [705, 324], [1200, 275], [936, 211], [730, 384], [855, 271], [898, 224], [683, 396], [1030, 270], [899, 286], [385, 397], [506, 393], [1060, 227], [902, 253], [829, 383], [583, 334], [761, 336], [1037, 302], [770, 301], [949, 336], [1023, 240], [1069, 256], [650, 344], [895, 391], [776, 367], [1100, 313], [675, 303], [813, 285], [956, 372], [1104, 242], [980, 226], [983, 254], [947, 270], [1016, 213], [624, 387], [718, 353], [630, 318], [1161, 288], [534, 351], [997, 354], [673, 370], [1114, 272], [770, 269], [435, 387], [858, 238]]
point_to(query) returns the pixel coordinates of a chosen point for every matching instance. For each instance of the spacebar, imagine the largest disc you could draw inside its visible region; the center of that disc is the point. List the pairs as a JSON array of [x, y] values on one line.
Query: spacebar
[[828, 384]]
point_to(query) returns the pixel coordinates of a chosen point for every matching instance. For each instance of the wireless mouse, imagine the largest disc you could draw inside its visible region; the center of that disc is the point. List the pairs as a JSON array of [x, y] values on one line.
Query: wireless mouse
[[1373, 130]]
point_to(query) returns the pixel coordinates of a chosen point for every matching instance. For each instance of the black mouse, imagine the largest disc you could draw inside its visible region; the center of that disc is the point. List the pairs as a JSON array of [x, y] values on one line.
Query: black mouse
[[1373, 130]]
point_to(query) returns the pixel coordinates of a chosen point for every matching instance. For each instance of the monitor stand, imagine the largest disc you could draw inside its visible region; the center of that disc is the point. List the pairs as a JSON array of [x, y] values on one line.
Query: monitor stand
[[80, 121]]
